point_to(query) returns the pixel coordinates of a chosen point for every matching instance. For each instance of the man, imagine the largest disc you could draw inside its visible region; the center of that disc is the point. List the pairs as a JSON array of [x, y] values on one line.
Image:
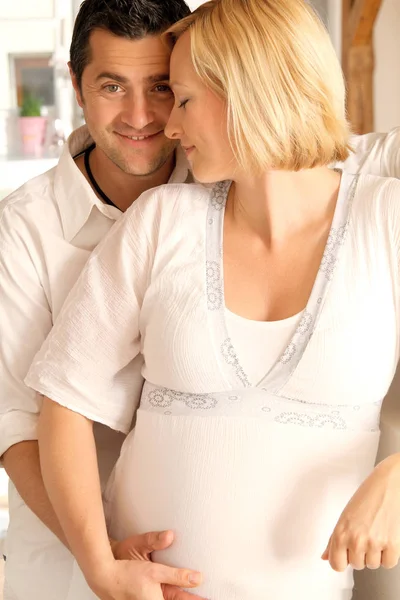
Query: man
[[376, 154], [120, 70]]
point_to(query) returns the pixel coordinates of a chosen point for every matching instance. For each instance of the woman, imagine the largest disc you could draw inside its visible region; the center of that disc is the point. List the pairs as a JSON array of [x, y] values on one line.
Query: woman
[[266, 309]]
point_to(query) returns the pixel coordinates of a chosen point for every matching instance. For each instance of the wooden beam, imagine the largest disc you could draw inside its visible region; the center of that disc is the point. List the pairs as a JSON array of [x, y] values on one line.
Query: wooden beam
[[362, 20], [358, 20], [346, 11], [360, 88]]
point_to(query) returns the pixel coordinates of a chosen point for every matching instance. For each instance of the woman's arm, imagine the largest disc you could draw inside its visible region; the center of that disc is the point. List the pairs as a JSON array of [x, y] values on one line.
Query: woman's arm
[[86, 366], [70, 473]]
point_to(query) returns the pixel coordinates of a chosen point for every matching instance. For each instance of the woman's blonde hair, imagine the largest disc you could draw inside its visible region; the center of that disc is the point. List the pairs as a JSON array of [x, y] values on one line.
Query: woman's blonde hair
[[273, 63]]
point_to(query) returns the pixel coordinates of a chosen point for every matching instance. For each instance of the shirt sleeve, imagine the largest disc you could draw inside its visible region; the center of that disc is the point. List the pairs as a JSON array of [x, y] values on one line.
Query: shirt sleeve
[[25, 321], [376, 154], [85, 363]]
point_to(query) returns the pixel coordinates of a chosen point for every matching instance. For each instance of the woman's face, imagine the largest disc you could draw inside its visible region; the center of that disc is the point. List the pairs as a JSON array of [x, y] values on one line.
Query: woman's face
[[199, 120]]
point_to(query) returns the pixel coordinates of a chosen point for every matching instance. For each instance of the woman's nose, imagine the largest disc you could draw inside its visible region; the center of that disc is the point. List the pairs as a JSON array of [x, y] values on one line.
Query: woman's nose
[[173, 129]]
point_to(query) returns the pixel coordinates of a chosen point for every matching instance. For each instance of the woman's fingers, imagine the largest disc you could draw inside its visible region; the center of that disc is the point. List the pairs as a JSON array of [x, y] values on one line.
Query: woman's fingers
[[325, 555], [183, 578], [342, 552], [390, 557], [356, 558], [338, 557], [133, 579], [373, 559]]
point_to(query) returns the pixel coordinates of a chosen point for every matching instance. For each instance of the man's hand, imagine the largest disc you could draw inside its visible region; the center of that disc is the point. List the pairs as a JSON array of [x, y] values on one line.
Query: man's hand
[[140, 547]]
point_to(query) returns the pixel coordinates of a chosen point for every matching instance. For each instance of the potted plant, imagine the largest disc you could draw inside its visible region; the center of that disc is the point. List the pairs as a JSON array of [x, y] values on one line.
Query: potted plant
[[32, 125]]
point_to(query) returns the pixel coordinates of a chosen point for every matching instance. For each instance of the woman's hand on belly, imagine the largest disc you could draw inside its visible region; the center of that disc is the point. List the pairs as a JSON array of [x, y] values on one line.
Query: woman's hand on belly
[[368, 531], [132, 576]]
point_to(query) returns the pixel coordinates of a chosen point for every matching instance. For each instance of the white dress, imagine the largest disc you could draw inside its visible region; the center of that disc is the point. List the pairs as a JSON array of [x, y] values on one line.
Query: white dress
[[252, 475]]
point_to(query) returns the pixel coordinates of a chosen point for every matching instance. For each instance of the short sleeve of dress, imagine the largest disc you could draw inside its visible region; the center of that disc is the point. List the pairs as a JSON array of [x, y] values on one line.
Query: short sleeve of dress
[[96, 336]]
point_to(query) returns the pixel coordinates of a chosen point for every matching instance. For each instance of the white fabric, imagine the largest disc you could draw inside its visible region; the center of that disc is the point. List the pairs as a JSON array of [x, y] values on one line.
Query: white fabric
[[253, 500], [376, 154], [269, 339], [47, 230], [60, 221]]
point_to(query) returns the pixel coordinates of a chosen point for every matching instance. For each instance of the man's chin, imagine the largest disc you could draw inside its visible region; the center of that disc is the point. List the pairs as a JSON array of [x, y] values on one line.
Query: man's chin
[[141, 166], [144, 169]]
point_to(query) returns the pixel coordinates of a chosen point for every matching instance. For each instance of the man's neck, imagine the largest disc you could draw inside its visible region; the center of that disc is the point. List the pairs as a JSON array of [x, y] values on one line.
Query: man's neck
[[120, 187]]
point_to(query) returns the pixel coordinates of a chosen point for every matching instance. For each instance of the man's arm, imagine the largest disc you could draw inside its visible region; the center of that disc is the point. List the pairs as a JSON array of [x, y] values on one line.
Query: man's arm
[[22, 464], [25, 321]]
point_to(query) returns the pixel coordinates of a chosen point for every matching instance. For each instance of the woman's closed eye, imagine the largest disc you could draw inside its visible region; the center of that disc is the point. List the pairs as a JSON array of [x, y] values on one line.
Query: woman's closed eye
[[183, 103]]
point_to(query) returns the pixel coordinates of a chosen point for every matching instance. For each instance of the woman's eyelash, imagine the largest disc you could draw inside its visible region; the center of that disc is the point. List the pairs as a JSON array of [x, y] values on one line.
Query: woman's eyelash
[[182, 104]]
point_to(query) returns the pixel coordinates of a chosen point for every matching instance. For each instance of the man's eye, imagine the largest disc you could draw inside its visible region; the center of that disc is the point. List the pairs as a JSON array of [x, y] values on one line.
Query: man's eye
[[112, 88], [163, 88]]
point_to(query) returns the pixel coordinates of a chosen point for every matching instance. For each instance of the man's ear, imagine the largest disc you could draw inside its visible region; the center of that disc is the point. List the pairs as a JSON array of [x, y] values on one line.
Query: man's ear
[[78, 92]]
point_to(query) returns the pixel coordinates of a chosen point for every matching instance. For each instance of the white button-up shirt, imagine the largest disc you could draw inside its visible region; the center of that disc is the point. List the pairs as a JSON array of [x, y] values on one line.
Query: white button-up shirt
[[47, 230], [376, 154]]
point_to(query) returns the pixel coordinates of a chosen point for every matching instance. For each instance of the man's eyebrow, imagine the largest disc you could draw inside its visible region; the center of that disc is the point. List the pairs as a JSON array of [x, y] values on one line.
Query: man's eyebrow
[[121, 79], [114, 76], [158, 78]]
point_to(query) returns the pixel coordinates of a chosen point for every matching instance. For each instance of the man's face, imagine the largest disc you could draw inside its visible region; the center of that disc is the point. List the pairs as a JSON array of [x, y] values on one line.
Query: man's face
[[127, 101]]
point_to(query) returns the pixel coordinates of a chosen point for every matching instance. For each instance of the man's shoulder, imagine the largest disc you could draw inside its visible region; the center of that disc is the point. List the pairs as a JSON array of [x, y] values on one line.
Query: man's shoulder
[[375, 187], [29, 208], [376, 153], [35, 193]]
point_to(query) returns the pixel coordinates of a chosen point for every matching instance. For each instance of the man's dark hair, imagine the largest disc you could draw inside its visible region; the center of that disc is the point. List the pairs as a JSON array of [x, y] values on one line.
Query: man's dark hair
[[130, 19]]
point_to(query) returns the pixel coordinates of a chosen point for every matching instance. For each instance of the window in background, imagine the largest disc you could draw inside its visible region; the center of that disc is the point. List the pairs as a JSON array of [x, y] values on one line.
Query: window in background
[[34, 74]]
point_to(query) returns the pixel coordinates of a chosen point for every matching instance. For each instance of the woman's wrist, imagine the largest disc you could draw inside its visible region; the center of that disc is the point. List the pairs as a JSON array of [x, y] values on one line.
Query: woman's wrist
[[388, 471], [96, 561], [390, 464], [100, 575]]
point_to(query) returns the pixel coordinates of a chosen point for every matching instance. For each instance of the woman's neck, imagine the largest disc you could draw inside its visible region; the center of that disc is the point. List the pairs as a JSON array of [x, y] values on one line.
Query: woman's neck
[[281, 203]]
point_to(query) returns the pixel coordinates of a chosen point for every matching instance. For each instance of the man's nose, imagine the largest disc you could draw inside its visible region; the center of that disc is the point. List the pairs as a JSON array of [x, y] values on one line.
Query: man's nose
[[138, 112]]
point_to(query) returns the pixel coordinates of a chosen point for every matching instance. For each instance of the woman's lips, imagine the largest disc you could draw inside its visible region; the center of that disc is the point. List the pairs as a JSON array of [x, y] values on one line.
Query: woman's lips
[[188, 150]]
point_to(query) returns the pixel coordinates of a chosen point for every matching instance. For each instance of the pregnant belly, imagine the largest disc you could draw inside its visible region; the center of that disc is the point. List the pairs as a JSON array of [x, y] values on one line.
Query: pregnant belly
[[252, 503]]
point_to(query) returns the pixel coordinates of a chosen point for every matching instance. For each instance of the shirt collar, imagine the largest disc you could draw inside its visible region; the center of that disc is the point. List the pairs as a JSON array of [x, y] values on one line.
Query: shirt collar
[[73, 193]]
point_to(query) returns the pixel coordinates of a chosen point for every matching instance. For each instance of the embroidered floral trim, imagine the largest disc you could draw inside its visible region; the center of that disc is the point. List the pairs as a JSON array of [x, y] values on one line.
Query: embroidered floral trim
[[230, 356], [319, 420], [219, 195], [288, 354], [214, 285], [164, 398], [282, 410], [330, 258]]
